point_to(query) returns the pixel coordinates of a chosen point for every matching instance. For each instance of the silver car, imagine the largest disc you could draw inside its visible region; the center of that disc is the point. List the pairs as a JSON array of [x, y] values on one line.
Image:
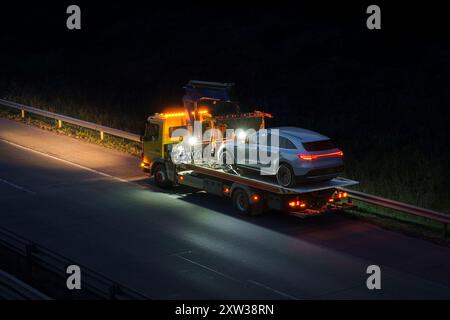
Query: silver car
[[303, 155]]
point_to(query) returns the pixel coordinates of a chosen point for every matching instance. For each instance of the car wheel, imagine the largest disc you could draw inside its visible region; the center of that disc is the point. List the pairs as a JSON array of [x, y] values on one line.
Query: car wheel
[[160, 176], [241, 202], [285, 176]]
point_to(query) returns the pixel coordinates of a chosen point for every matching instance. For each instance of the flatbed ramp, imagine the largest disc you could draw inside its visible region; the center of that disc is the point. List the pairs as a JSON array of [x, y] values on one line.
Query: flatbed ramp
[[266, 185]]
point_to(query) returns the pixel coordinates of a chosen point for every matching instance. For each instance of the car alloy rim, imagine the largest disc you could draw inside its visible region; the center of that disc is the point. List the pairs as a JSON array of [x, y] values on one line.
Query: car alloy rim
[[284, 176]]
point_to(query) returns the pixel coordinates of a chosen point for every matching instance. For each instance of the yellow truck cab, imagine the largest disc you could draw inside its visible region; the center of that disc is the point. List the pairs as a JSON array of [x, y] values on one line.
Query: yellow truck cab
[[158, 136]]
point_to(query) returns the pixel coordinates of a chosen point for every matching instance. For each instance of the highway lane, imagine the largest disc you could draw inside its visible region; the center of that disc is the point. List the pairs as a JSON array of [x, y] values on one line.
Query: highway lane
[[191, 245]]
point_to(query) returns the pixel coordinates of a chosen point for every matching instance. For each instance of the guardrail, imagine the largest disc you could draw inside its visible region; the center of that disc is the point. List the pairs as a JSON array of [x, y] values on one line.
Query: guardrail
[[61, 118], [400, 206], [91, 281], [12, 288]]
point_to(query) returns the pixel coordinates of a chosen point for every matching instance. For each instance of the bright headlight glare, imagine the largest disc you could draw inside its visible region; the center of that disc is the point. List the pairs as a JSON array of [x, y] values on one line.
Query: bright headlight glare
[[192, 140], [241, 135]]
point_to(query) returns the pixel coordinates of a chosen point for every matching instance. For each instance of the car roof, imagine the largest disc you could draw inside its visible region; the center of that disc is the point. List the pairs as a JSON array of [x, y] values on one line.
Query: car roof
[[304, 135]]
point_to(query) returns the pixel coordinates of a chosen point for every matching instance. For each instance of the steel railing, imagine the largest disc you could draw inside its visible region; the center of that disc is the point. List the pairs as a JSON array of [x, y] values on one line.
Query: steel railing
[[81, 123], [12, 288], [402, 207], [92, 281]]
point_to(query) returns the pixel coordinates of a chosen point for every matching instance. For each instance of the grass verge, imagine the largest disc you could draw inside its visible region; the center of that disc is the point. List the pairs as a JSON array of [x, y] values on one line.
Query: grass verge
[[400, 222], [87, 135]]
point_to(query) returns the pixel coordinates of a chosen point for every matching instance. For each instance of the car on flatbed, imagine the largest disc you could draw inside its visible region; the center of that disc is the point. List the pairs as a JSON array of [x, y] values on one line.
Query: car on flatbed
[[304, 156]]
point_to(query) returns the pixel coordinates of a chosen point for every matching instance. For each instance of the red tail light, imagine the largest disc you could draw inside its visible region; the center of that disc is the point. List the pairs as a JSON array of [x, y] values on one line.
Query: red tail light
[[310, 157]]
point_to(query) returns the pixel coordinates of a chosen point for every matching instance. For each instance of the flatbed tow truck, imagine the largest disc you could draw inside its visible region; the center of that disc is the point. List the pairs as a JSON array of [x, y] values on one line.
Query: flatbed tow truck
[[249, 195]]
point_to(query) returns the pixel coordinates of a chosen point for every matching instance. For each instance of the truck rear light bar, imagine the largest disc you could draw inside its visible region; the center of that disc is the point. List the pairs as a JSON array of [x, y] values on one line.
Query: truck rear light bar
[[339, 195], [310, 157], [297, 204]]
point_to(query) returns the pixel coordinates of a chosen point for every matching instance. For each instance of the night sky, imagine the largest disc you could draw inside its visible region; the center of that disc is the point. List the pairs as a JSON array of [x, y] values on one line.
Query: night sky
[[142, 53]]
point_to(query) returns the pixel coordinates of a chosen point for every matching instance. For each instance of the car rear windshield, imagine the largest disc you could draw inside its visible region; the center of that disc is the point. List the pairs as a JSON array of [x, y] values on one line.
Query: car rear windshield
[[318, 145]]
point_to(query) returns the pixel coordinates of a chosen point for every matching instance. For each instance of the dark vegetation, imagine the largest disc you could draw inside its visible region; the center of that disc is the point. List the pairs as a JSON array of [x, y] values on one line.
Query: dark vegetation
[[383, 95]]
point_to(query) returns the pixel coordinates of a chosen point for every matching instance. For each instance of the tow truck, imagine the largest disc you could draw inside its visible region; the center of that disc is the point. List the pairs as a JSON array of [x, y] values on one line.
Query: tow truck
[[250, 195]]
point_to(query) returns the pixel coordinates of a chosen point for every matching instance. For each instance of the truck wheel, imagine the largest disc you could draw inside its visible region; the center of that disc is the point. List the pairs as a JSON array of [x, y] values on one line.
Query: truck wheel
[[285, 176], [241, 202], [160, 176]]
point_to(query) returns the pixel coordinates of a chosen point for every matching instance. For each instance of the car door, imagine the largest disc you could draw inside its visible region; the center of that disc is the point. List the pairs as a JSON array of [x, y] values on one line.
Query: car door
[[152, 141], [246, 153], [268, 151]]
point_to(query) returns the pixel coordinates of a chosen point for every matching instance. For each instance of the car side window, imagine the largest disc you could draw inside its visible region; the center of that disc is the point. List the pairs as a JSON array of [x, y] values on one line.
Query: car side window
[[172, 129], [262, 138], [152, 131], [267, 139], [252, 138], [285, 143]]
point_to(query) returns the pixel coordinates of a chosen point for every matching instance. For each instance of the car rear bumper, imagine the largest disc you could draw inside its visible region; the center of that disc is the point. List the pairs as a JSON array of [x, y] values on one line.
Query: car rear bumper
[[320, 174]]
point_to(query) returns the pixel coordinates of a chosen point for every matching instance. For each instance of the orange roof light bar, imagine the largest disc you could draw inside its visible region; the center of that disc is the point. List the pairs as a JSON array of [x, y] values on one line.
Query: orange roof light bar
[[200, 112], [173, 114], [310, 157]]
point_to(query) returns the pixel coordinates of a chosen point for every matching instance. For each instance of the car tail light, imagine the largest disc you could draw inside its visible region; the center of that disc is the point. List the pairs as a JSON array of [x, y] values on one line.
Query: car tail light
[[310, 157]]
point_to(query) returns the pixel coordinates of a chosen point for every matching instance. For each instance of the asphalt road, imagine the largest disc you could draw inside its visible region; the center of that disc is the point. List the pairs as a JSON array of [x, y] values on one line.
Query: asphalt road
[[95, 207]]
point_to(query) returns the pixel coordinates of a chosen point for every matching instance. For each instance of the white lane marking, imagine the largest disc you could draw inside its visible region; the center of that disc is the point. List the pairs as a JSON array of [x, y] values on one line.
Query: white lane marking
[[66, 161], [207, 268], [273, 290], [181, 253], [16, 186]]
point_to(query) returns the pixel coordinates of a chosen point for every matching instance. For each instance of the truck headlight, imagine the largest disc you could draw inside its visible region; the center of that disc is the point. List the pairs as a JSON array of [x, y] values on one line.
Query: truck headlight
[[192, 140]]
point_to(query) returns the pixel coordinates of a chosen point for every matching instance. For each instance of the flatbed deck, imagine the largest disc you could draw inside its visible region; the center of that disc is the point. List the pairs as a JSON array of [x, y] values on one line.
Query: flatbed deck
[[266, 185]]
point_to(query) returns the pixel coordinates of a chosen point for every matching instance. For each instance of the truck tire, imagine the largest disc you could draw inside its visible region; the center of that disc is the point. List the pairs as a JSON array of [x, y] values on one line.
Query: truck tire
[[285, 176], [241, 202], [160, 176]]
